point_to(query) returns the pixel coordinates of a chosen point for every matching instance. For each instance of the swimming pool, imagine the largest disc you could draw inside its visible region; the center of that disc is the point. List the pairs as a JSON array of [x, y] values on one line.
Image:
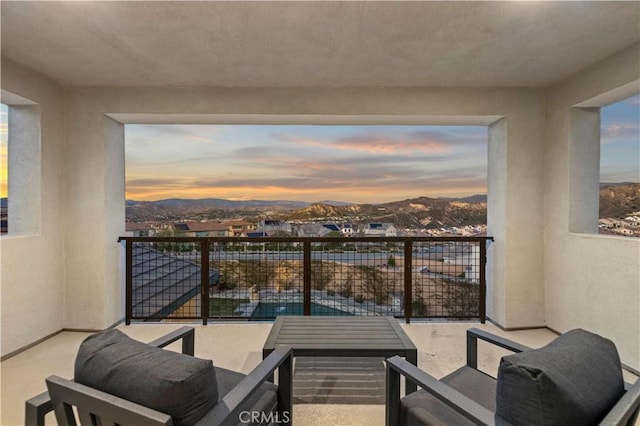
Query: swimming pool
[[273, 309]]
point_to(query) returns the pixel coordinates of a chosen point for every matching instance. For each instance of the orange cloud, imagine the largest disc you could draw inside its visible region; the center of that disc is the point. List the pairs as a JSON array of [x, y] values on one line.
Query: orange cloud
[[380, 145]]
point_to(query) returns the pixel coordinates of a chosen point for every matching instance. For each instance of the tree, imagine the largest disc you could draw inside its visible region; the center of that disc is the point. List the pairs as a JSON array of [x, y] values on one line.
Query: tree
[[391, 262], [375, 283], [320, 275]]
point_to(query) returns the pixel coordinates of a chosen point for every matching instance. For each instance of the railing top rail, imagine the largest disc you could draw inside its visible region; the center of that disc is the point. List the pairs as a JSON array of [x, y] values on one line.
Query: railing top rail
[[303, 239]]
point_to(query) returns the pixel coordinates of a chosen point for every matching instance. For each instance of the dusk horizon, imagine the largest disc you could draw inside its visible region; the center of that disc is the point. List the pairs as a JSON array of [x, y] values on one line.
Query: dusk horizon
[[356, 164]]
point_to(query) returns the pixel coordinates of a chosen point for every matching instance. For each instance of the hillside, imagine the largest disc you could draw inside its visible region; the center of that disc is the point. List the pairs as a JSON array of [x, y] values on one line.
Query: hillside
[[616, 200], [619, 200], [422, 212]]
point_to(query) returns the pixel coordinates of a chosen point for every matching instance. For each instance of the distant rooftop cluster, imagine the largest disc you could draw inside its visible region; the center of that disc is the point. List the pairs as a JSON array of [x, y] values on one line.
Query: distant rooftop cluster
[[280, 228], [627, 226]]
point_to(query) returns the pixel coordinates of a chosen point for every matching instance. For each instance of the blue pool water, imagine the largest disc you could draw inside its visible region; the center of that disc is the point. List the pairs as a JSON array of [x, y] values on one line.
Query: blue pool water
[[273, 309]]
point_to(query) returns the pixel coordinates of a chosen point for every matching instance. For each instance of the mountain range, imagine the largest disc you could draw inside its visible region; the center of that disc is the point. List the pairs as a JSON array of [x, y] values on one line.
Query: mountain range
[[417, 212], [616, 200]]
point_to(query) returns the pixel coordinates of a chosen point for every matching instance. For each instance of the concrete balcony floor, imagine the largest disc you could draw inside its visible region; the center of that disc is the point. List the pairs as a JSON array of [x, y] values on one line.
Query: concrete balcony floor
[[238, 346]]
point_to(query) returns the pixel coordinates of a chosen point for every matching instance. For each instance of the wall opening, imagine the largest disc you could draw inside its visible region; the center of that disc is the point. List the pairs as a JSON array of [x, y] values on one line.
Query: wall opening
[[619, 198], [23, 166], [4, 162], [301, 165]]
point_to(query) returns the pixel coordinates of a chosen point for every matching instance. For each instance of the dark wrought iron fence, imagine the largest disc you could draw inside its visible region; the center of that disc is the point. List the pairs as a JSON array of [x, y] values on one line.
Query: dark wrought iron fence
[[202, 278]]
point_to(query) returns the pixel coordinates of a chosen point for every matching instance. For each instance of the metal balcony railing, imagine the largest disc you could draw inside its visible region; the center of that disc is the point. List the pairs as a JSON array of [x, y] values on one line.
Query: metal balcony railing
[[202, 278]]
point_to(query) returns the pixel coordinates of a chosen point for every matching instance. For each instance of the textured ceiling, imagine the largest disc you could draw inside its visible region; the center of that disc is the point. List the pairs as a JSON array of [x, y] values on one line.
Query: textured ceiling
[[437, 44]]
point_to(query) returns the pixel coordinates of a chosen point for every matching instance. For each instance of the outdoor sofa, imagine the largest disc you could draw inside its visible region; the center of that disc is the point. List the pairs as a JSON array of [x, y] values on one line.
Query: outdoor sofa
[[575, 380], [118, 380]]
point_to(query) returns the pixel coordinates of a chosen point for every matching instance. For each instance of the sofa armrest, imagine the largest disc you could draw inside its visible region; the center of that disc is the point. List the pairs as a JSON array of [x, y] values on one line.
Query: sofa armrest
[[227, 410], [93, 404], [474, 334], [397, 367], [187, 334], [626, 410]]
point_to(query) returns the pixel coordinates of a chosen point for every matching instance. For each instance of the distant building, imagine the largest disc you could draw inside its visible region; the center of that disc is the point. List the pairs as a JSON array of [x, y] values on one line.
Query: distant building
[[256, 234], [347, 229], [332, 227], [311, 230], [272, 226], [380, 230], [212, 228], [140, 229]]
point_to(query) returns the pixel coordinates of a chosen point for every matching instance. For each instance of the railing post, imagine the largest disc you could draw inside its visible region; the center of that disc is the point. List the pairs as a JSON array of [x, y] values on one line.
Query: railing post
[[128, 286], [306, 277], [483, 280], [204, 274], [408, 279]]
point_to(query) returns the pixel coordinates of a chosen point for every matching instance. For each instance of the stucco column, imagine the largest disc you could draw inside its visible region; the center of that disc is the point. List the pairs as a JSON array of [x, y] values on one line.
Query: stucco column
[[95, 217], [515, 219], [25, 196]]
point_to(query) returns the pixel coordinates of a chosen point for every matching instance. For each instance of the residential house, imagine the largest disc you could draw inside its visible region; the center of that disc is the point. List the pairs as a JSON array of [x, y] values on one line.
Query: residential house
[[273, 227], [311, 230], [380, 230], [140, 229], [212, 228]]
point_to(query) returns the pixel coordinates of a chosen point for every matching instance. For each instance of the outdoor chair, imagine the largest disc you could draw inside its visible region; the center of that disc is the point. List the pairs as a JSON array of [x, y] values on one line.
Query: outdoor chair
[[575, 380], [120, 381]]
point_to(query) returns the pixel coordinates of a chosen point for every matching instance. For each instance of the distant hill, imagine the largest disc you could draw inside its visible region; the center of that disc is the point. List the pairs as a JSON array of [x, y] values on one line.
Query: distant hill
[[619, 200], [220, 203], [418, 212], [422, 212], [173, 209], [616, 200]]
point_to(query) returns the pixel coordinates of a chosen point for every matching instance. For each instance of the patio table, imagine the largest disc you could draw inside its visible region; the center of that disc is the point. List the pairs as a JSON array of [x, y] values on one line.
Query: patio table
[[328, 336]]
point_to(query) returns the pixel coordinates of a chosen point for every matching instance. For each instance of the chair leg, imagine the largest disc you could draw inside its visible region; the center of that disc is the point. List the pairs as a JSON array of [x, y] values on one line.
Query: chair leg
[[392, 398], [285, 391], [37, 408]]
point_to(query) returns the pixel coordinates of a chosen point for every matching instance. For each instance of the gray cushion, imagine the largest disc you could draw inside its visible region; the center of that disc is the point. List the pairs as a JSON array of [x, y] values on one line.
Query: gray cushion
[[423, 409], [179, 385], [575, 380], [265, 400]]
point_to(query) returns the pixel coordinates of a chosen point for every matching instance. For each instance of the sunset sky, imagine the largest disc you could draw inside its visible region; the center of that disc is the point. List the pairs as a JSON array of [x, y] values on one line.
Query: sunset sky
[[359, 164]]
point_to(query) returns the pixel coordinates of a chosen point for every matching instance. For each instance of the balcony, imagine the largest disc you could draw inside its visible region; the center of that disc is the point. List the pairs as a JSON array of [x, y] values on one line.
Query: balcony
[[261, 278], [519, 68]]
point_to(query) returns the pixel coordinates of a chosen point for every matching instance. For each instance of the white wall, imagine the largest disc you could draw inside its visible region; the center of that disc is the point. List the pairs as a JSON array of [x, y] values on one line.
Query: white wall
[[32, 255], [94, 170], [591, 281]]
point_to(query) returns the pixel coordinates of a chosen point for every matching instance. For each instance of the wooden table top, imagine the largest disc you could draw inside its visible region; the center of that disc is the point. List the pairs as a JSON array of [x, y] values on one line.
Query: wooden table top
[[336, 336]]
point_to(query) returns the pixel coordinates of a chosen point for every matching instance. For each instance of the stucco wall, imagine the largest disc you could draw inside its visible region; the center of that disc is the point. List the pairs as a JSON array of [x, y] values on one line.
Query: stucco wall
[[591, 281], [32, 259]]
